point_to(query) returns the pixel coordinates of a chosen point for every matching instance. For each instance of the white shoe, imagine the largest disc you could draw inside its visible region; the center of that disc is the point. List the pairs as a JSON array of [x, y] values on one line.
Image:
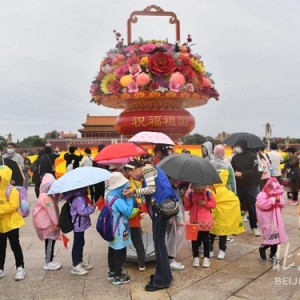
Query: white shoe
[[206, 262], [86, 266], [78, 270], [196, 262], [245, 218], [20, 274], [142, 269], [175, 265], [2, 274], [221, 254], [255, 232], [211, 254], [53, 265]]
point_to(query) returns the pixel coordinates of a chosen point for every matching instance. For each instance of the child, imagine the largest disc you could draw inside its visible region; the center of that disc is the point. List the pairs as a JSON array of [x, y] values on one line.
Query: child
[[121, 209], [268, 209], [80, 212], [45, 220], [199, 203], [10, 222]]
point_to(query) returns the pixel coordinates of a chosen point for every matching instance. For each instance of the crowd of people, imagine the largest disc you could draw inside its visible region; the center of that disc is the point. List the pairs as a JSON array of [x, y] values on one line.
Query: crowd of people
[[250, 190]]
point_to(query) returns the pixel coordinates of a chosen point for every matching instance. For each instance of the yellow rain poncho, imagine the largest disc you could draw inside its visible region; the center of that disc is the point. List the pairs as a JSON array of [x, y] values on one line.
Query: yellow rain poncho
[[9, 217], [227, 213]]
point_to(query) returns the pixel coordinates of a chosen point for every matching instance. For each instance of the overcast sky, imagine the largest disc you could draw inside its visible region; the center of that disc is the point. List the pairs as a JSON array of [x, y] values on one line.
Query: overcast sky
[[50, 52]]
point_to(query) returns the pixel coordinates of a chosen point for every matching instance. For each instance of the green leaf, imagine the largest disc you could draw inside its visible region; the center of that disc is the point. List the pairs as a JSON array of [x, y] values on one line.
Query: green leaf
[[162, 89], [141, 40]]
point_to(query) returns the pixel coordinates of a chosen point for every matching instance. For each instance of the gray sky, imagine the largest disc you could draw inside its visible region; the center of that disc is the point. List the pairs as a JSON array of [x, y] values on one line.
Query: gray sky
[[50, 52]]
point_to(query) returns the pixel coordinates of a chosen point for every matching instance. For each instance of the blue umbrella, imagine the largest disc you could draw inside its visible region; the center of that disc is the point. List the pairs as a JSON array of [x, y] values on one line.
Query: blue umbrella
[[78, 178]]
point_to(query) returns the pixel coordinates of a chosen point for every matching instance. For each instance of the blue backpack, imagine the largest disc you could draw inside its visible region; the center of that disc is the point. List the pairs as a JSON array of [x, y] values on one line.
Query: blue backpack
[[104, 223]]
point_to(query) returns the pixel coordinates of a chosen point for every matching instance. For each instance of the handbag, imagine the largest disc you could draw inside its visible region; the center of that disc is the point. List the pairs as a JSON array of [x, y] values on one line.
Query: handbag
[[286, 182], [168, 208]]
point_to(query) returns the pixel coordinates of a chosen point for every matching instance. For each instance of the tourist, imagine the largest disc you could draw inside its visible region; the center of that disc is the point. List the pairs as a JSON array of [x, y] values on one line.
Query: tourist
[[88, 162], [72, 159], [207, 150], [36, 178], [276, 159], [47, 161], [13, 155], [27, 164]]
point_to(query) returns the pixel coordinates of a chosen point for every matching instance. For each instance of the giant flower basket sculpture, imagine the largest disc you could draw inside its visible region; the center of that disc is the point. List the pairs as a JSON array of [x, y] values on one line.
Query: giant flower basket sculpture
[[153, 81]]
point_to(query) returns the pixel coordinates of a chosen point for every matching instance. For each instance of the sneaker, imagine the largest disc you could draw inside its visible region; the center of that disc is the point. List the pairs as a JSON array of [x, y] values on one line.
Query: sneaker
[[86, 266], [211, 254], [206, 262], [20, 274], [262, 253], [221, 254], [175, 265], [142, 269], [201, 249], [274, 258], [53, 265], [292, 202], [196, 262], [120, 280], [2, 274], [255, 232], [78, 270], [217, 237], [110, 276], [245, 218], [229, 240]]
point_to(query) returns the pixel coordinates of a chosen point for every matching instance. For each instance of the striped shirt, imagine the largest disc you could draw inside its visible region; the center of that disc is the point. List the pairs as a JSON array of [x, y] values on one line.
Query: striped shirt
[[149, 173]]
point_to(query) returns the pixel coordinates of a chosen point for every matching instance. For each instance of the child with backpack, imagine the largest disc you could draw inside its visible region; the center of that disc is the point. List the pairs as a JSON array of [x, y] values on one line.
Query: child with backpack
[[80, 213], [199, 201], [10, 222], [121, 209], [45, 221]]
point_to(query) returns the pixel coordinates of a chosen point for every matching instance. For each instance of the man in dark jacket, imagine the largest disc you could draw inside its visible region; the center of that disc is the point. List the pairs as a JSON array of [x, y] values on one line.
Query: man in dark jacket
[[245, 166], [47, 162], [72, 158]]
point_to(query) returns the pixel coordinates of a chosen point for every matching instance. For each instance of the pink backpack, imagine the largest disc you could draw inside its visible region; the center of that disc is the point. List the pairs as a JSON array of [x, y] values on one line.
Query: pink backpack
[[24, 209]]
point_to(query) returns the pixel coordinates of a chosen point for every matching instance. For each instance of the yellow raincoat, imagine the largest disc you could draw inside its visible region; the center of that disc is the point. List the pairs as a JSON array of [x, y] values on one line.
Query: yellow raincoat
[[227, 213], [9, 217]]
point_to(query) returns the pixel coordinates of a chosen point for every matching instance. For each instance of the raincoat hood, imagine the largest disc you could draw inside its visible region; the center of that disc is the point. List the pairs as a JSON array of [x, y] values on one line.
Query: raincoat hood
[[243, 144], [273, 188], [219, 151], [78, 192], [5, 176], [209, 146], [46, 183]]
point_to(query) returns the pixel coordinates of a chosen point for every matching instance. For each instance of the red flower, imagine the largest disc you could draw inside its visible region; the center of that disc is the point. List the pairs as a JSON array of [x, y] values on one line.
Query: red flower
[[133, 60], [185, 60], [100, 75], [115, 86], [121, 70], [161, 63], [147, 48], [154, 85]]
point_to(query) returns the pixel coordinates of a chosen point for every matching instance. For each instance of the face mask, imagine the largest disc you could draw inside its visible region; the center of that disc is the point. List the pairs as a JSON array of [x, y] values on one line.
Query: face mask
[[238, 150], [10, 151]]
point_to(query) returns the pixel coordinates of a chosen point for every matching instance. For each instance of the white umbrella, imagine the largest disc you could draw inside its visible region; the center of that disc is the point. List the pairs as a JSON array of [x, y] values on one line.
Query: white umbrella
[[78, 178], [152, 138]]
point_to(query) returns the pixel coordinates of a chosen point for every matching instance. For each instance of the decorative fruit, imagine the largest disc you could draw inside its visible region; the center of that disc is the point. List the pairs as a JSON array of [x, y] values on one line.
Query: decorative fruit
[[125, 80], [178, 78], [142, 79]]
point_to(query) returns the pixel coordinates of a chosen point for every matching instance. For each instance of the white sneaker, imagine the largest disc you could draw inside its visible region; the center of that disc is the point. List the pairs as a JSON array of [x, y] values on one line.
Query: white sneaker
[[206, 262], [53, 265], [2, 274], [221, 254], [78, 270], [86, 266], [245, 218], [196, 262], [175, 265], [142, 269], [20, 274], [211, 254], [255, 232]]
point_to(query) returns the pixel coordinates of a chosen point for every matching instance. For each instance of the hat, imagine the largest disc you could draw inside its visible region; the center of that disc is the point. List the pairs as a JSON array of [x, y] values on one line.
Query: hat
[[114, 166], [133, 164], [197, 186], [117, 180]]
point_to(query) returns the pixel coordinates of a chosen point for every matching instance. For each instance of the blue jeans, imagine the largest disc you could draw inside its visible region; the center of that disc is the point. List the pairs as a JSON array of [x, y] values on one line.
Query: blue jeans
[[163, 276], [77, 250], [249, 195]]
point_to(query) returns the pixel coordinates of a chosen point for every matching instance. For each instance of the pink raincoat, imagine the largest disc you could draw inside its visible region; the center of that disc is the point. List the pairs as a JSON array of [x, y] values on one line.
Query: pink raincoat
[[46, 212], [268, 211]]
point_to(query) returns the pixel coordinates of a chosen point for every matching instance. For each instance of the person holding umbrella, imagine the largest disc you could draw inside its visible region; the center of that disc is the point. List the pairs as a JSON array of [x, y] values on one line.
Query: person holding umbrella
[[156, 188]]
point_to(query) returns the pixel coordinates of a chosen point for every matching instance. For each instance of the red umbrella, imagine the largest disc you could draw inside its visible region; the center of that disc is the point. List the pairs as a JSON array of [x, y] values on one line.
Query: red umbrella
[[119, 150]]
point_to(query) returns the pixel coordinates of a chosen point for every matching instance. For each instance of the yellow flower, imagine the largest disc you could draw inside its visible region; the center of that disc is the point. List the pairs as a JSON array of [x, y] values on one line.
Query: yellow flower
[[105, 82], [144, 60], [198, 65]]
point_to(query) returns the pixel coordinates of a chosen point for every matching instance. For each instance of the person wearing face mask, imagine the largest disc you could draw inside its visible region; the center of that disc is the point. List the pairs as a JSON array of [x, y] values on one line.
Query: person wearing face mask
[[13, 155], [245, 166]]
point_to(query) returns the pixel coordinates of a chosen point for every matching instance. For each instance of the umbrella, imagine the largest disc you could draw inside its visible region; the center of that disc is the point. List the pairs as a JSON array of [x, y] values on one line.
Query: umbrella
[[120, 150], [78, 178], [149, 249], [121, 160], [152, 138], [253, 140], [190, 168]]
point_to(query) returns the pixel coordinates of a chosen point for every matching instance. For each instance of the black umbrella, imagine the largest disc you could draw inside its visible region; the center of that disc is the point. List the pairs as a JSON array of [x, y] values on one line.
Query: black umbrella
[[252, 140], [190, 168]]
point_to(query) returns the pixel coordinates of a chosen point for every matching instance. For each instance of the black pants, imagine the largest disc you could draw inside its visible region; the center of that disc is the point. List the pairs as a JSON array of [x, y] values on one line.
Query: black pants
[[99, 190], [49, 250], [273, 249], [137, 241], [222, 242], [203, 237], [13, 237], [116, 259], [77, 249]]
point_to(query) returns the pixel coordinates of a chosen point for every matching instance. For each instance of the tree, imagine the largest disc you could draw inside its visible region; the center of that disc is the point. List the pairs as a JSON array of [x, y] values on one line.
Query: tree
[[32, 141], [196, 139], [54, 134], [3, 141]]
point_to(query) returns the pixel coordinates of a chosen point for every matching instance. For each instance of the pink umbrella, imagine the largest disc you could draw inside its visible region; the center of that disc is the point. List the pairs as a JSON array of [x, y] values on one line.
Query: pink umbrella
[[152, 138], [121, 160]]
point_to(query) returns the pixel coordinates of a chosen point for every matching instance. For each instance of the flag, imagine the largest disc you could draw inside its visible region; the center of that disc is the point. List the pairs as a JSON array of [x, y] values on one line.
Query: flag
[[88, 200], [100, 203], [64, 240]]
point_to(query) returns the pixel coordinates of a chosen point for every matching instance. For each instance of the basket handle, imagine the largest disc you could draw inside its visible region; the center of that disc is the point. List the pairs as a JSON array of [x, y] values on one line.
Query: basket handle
[[148, 11]]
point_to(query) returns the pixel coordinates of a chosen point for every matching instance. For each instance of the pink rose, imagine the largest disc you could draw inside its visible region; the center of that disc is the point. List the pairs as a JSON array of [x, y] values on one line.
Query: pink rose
[[147, 48], [174, 86], [135, 69], [133, 87], [129, 48], [121, 70]]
